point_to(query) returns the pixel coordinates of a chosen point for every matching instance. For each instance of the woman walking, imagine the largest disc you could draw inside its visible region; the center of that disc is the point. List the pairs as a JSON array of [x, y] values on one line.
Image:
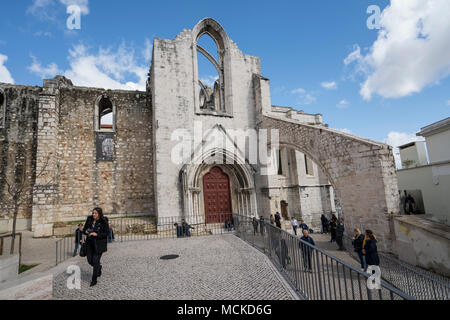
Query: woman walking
[[357, 242], [370, 249], [96, 229]]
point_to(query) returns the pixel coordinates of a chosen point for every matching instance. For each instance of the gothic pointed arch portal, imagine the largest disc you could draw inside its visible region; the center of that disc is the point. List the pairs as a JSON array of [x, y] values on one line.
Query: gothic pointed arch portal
[[242, 191]]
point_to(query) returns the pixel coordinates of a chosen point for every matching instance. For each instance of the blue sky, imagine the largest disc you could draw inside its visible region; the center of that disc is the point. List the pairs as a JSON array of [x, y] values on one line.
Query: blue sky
[[302, 46]]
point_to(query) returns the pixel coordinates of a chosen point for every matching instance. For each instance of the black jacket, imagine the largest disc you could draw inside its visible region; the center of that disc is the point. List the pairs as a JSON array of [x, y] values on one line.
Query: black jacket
[[78, 235], [102, 229], [340, 230], [304, 247], [358, 243], [372, 258]]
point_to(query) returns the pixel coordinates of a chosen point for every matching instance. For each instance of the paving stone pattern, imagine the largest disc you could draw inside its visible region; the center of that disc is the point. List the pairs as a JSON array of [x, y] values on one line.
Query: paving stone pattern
[[213, 267]]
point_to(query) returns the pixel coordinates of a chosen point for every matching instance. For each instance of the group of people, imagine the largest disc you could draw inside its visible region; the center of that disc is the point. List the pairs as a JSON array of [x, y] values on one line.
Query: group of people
[[365, 245], [366, 248], [184, 229], [336, 228]]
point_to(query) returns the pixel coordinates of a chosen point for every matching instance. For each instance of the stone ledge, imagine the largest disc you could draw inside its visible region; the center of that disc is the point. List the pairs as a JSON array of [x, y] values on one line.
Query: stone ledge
[[427, 225]]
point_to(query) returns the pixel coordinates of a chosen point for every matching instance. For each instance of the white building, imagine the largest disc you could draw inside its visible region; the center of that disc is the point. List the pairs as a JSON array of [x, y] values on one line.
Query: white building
[[428, 181]]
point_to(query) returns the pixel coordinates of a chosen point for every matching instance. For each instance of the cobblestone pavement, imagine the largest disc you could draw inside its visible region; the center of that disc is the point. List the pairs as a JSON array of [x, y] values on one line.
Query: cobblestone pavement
[[213, 267]]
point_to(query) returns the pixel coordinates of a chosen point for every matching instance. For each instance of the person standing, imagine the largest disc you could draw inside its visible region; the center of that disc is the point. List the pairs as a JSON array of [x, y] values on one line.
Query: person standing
[[324, 221], [357, 242], [255, 226], [411, 204], [340, 234], [306, 250], [370, 249], [78, 238], [294, 225], [261, 225], [278, 219], [110, 233], [333, 226], [272, 219], [96, 230]]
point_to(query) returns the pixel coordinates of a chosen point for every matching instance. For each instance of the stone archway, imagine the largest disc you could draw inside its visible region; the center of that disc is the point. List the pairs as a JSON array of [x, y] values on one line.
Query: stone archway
[[361, 171], [241, 180]]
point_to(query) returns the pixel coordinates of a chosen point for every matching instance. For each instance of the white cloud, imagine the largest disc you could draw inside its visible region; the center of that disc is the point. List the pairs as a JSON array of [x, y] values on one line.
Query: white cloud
[[44, 72], [343, 104], [396, 139], [329, 85], [304, 97], [299, 90], [147, 52], [209, 80], [45, 9], [5, 75], [83, 4], [411, 52], [108, 68]]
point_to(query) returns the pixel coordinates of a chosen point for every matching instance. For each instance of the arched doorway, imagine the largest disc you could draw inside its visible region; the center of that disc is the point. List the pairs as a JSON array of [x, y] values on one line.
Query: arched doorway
[[217, 195]]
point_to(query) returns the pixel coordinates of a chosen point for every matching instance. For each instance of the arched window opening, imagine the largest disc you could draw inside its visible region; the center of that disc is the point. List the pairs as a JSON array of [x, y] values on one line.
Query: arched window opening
[[210, 74], [2, 108], [105, 115]]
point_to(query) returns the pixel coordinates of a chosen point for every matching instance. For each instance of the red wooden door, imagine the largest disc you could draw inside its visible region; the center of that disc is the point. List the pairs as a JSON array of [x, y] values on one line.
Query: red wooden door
[[217, 196]]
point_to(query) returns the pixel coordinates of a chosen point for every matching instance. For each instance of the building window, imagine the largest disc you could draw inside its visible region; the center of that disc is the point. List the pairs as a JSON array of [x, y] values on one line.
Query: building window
[[2, 108], [210, 74], [309, 166], [105, 114]]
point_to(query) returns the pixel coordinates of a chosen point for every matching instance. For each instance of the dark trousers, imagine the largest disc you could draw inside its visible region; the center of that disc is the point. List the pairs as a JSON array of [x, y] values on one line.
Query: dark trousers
[[307, 259], [295, 229], [362, 259], [93, 259], [340, 243], [333, 235]]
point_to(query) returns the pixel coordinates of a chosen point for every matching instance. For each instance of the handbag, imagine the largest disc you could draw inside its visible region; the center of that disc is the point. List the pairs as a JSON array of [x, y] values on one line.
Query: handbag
[[83, 250]]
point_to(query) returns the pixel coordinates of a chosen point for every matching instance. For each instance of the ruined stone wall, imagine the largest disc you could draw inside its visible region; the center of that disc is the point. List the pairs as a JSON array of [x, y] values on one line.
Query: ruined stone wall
[[18, 145], [121, 186]]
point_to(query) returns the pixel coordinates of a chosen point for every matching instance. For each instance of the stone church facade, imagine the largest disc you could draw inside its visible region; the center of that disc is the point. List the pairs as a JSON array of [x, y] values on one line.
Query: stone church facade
[[75, 162]]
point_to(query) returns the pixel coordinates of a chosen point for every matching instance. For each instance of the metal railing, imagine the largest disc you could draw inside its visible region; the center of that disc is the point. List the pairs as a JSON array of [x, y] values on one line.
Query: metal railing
[[64, 249], [418, 283], [2, 241], [314, 273], [151, 228]]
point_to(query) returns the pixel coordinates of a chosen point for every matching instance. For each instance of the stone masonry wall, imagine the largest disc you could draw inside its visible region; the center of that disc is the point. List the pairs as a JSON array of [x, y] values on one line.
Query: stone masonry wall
[[18, 140], [51, 129], [361, 171]]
